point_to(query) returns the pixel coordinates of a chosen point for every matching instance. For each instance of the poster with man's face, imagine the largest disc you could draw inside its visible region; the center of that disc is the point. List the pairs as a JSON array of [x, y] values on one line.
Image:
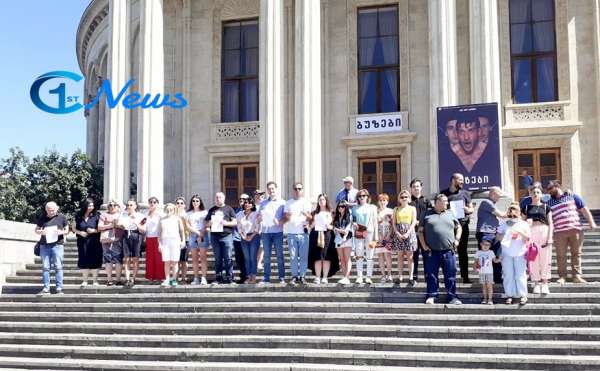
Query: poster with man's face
[[469, 143]]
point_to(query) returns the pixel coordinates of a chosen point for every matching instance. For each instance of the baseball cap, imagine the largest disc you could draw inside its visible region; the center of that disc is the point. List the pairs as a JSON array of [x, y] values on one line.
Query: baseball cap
[[348, 179], [489, 238], [259, 192]]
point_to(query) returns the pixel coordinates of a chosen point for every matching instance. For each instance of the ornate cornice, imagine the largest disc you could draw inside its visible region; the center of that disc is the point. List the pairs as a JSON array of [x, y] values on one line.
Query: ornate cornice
[[93, 16]]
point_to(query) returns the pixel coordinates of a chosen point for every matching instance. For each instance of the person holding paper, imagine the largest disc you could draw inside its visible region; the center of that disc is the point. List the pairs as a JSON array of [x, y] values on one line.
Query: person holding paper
[[271, 219], [459, 201], [89, 248], [297, 215], [52, 227], [322, 255], [131, 222], [220, 221]]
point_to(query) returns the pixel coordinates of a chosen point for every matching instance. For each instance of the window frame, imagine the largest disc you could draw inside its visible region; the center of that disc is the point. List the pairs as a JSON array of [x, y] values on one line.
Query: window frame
[[379, 69], [239, 78], [240, 179], [533, 57], [535, 153]]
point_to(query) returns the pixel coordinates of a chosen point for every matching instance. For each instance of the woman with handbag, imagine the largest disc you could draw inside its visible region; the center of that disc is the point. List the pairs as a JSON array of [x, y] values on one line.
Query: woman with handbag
[[342, 228], [110, 237], [366, 235], [88, 241], [322, 255], [384, 244], [405, 238], [539, 218]]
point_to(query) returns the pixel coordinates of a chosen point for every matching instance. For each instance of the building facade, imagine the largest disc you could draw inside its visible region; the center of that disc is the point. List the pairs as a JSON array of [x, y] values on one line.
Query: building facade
[[275, 87]]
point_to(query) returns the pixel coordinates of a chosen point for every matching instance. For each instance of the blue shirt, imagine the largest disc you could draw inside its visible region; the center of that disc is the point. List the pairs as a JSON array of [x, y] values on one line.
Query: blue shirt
[[270, 209], [346, 195]]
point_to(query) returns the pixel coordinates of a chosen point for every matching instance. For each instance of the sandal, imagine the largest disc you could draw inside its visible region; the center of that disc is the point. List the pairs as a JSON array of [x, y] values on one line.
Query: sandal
[[508, 300], [110, 283]]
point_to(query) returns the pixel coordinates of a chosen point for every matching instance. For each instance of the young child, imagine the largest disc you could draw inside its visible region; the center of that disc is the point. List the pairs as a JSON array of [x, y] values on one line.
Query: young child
[[483, 264]]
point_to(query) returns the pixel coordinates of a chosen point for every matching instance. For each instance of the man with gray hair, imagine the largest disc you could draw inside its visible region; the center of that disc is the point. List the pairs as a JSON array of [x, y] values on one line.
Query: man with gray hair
[[52, 227], [487, 225], [220, 221]]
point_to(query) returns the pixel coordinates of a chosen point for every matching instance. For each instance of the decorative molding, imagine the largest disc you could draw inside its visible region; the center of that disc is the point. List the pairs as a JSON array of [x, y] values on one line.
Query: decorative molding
[[233, 9], [92, 17], [234, 132], [537, 112]]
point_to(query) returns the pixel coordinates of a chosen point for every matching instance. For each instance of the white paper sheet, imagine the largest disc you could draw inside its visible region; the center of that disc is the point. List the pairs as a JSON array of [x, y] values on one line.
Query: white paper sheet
[[51, 234], [458, 208], [321, 222], [216, 224]]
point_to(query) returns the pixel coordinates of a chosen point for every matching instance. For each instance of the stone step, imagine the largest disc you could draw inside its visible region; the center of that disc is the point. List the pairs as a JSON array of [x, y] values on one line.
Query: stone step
[[318, 356], [123, 306], [125, 365], [483, 320], [308, 342], [176, 294], [309, 329]]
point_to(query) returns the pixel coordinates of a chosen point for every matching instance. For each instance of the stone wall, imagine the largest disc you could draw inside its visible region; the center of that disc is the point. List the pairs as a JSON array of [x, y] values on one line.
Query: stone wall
[[16, 247]]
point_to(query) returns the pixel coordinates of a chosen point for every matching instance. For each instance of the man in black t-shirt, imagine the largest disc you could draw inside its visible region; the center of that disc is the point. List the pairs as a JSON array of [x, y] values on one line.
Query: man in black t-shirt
[[422, 204], [220, 221], [52, 227], [459, 198]]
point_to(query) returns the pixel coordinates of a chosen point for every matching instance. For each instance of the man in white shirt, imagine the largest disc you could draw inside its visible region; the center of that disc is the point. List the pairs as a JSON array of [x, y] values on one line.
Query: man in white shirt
[[297, 214]]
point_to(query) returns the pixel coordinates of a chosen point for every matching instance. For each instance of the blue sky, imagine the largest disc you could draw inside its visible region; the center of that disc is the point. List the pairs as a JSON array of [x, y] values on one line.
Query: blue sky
[[38, 37]]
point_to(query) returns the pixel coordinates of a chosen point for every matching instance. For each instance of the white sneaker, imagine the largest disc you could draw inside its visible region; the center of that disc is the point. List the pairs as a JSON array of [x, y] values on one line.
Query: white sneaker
[[368, 281], [95, 283], [545, 289], [537, 289], [261, 283], [317, 281], [344, 281], [83, 284], [430, 300], [324, 281], [203, 281], [383, 280], [359, 280], [166, 283], [455, 301], [195, 282], [282, 282], [390, 278]]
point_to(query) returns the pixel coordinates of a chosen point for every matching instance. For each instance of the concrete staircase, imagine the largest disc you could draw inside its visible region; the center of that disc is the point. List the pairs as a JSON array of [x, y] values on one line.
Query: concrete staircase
[[326, 327]]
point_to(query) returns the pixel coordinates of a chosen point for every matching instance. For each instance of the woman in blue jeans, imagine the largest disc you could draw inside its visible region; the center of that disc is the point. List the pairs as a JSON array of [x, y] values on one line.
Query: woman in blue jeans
[[249, 231]]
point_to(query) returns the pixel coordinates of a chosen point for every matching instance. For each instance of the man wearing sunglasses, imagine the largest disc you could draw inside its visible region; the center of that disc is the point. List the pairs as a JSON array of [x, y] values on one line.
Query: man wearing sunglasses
[[297, 215], [237, 240]]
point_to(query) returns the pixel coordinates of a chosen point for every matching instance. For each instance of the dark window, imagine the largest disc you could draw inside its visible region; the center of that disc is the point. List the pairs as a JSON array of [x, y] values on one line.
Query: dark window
[[239, 71], [378, 66], [533, 51]]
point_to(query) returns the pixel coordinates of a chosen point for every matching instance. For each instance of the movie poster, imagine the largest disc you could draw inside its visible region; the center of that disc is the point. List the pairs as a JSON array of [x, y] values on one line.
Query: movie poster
[[469, 143]]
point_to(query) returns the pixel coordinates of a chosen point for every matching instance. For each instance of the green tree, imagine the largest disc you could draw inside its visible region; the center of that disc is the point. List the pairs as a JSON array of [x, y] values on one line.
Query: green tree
[[27, 185]]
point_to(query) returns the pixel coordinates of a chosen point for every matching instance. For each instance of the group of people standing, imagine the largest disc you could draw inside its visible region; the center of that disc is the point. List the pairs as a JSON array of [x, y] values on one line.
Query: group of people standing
[[325, 238]]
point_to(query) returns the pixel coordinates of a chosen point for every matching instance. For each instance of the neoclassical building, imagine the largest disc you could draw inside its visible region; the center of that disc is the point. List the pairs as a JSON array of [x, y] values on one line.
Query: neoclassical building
[[275, 88]]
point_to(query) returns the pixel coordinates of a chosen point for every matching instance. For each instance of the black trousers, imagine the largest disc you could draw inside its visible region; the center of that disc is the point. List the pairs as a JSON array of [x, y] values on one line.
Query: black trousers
[[239, 259], [496, 249], [416, 253], [463, 254]]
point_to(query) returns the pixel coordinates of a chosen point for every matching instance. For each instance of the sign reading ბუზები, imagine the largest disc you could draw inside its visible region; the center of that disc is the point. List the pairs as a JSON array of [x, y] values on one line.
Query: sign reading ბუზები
[[469, 143], [365, 124]]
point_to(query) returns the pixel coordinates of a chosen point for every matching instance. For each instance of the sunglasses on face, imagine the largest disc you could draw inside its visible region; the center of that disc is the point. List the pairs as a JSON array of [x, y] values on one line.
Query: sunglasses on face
[[130, 205], [297, 189], [361, 196], [195, 200], [404, 198], [112, 205], [180, 203], [153, 202]]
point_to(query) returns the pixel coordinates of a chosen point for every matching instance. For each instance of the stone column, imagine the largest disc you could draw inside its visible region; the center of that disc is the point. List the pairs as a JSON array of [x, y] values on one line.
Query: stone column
[[485, 60], [150, 164], [116, 182], [485, 51], [307, 100], [597, 45], [271, 33], [186, 82], [92, 133], [443, 78]]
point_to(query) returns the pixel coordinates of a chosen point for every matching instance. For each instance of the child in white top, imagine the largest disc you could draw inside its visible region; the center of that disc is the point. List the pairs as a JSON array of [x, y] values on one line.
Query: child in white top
[[483, 264], [172, 240]]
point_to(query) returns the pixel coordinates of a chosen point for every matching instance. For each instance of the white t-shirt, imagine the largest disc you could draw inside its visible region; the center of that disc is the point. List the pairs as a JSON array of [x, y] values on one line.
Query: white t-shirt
[[247, 224], [130, 222], [152, 224], [297, 221], [512, 243], [197, 219], [485, 261], [169, 228]]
